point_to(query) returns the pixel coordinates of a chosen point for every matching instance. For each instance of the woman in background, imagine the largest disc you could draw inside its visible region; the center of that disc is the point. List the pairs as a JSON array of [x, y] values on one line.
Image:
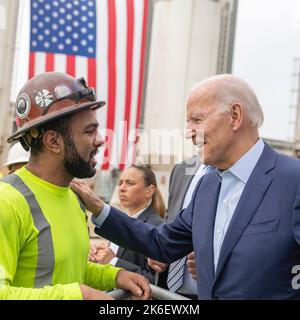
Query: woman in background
[[140, 197]]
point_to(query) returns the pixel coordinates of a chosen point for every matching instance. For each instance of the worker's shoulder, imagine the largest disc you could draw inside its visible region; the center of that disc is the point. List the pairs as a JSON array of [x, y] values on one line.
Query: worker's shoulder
[[10, 196]]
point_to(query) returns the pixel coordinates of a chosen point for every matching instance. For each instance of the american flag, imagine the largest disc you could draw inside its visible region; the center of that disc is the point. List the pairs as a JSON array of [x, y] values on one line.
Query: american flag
[[104, 41]]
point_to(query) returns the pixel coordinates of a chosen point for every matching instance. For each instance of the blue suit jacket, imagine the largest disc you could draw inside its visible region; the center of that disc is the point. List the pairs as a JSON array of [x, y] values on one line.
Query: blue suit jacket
[[261, 245]]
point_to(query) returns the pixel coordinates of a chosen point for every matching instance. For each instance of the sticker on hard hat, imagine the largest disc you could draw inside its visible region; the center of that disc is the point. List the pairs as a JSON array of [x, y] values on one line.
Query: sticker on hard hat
[[23, 106], [62, 90], [43, 98]]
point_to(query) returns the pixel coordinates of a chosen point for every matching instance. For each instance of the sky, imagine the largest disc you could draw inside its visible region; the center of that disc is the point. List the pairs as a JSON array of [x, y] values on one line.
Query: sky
[[266, 44]]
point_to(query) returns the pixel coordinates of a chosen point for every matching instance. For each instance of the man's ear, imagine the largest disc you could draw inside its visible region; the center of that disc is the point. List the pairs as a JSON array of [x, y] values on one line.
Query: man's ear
[[53, 141], [237, 115]]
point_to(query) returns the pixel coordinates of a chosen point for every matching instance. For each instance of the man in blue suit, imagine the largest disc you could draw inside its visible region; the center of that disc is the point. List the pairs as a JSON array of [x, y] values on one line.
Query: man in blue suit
[[243, 221]]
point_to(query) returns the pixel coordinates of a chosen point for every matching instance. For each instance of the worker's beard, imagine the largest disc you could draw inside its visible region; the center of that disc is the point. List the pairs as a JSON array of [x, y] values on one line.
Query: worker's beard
[[75, 165]]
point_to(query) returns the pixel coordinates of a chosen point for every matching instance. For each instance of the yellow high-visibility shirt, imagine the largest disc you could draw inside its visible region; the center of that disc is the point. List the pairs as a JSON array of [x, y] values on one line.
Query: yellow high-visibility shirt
[[45, 242]]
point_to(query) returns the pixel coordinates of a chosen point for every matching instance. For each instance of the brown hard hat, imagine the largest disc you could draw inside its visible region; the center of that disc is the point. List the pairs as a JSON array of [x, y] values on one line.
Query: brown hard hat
[[49, 96]]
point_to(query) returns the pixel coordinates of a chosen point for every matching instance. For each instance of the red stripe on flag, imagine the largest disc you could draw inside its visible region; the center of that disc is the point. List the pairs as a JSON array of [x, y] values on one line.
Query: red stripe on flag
[[129, 52], [142, 66], [70, 68], [49, 62], [111, 101], [31, 65], [92, 72]]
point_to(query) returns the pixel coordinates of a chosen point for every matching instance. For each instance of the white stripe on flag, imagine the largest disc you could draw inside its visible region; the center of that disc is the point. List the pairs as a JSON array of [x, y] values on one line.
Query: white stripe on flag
[[81, 65], [101, 64], [121, 32], [39, 63], [137, 44], [60, 62]]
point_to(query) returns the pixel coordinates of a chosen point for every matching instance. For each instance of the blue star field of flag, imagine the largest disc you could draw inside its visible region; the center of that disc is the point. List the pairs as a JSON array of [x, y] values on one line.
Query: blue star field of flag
[[64, 26]]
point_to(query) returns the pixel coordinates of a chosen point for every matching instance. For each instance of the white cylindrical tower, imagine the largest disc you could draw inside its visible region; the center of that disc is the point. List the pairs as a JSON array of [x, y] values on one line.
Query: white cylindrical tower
[[187, 44], [8, 27]]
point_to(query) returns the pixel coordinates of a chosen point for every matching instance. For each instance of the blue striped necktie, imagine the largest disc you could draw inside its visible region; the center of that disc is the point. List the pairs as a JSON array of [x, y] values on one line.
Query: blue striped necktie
[[175, 274]]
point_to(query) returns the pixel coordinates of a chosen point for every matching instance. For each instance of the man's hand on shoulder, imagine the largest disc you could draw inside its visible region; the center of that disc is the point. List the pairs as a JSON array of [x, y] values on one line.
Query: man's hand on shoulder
[[93, 203]]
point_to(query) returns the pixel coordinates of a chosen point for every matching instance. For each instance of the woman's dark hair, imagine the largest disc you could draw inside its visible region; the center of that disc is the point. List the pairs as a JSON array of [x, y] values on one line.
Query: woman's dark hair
[[61, 126], [158, 203]]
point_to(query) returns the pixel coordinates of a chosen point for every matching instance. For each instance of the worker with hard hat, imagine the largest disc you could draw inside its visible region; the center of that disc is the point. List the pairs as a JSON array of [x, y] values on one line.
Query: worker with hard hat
[[43, 232], [17, 157]]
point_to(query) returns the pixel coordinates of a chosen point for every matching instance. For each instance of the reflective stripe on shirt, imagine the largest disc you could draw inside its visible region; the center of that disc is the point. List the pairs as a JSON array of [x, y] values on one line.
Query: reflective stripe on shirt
[[45, 259]]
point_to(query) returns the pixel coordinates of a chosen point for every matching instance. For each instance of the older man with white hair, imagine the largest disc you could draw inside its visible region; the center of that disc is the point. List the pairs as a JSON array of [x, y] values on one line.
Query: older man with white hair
[[243, 221]]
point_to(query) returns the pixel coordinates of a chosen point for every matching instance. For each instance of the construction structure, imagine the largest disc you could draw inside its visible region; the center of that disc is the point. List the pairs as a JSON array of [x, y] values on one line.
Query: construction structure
[[8, 22], [190, 40]]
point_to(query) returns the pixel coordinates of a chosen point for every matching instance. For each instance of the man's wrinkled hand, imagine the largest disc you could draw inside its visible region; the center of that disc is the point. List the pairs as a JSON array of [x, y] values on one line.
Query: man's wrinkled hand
[[137, 284], [90, 200]]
